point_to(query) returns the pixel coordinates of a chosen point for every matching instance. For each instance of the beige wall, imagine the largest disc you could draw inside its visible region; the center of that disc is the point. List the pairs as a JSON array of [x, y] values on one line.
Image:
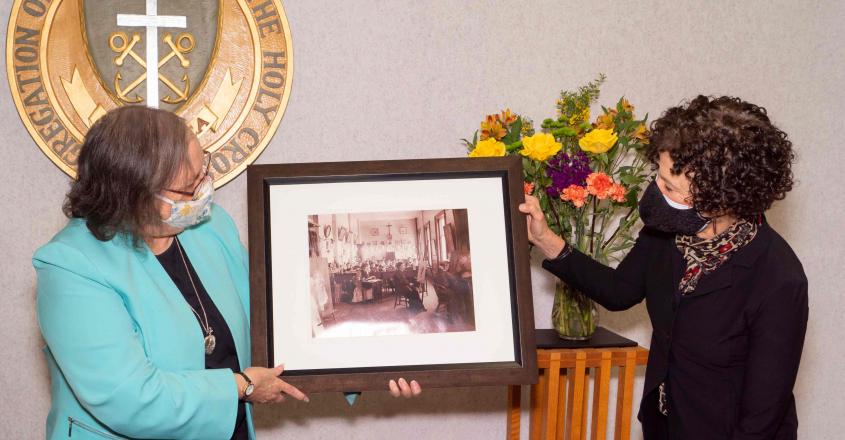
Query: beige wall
[[407, 79]]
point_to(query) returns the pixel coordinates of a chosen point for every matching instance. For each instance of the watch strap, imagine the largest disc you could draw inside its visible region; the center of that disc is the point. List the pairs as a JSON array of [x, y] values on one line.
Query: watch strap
[[248, 383], [565, 252]]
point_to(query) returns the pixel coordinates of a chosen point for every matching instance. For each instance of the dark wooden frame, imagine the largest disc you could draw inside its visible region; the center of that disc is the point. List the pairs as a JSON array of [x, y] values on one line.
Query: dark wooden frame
[[523, 371]]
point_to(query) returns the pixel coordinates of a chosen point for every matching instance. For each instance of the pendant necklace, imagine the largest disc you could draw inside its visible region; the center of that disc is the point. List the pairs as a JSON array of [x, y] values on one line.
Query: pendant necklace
[[210, 340]]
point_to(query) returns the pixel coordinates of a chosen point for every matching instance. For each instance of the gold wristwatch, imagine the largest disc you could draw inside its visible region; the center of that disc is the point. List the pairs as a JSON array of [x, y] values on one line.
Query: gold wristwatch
[[250, 387]]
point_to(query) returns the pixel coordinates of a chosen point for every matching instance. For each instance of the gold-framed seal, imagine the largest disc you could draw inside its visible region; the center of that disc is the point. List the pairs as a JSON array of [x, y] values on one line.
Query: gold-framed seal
[[68, 63]]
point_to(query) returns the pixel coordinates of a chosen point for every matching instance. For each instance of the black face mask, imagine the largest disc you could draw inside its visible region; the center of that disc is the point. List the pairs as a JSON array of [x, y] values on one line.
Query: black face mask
[[657, 213]]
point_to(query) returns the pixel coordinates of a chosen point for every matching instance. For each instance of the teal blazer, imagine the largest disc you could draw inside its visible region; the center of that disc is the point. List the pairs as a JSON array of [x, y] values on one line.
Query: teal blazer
[[124, 350]]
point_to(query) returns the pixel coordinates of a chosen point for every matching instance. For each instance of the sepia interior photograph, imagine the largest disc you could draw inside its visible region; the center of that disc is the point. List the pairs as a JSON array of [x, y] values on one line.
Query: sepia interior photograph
[[390, 273]]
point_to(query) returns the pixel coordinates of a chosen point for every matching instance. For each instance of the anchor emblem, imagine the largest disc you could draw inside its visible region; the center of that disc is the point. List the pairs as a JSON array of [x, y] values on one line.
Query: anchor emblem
[[124, 46]]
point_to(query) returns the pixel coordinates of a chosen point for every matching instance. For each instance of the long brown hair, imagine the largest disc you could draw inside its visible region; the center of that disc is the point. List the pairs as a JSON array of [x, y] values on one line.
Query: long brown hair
[[129, 155]]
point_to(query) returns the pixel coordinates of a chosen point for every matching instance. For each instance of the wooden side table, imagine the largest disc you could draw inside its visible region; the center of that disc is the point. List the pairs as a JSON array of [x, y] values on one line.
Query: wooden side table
[[560, 399]]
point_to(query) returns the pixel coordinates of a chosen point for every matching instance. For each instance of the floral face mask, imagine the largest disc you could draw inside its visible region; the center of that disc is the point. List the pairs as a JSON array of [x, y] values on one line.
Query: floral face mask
[[187, 213]]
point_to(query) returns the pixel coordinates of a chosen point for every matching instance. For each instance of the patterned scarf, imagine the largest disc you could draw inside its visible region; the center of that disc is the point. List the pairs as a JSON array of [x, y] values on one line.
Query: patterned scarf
[[703, 256]]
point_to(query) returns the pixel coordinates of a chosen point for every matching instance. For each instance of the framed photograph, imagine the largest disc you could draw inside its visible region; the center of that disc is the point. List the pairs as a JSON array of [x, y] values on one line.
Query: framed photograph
[[447, 307]]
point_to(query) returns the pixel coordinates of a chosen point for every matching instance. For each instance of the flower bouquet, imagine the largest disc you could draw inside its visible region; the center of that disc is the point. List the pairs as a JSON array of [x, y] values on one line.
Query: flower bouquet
[[587, 177]]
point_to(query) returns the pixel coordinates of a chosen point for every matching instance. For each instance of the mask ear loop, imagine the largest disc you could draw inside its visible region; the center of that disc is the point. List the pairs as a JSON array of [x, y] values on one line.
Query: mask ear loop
[[707, 220], [165, 199]]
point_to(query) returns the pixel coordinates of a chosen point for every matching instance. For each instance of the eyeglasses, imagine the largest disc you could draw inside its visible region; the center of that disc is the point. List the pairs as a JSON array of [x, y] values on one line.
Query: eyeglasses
[[206, 165]]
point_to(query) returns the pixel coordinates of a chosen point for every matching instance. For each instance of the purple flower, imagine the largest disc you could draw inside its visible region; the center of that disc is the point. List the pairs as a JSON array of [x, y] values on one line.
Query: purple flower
[[566, 170]]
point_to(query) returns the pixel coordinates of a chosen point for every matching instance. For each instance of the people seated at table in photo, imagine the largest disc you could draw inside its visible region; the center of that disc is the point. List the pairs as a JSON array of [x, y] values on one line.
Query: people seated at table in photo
[[368, 271], [361, 293], [403, 288]]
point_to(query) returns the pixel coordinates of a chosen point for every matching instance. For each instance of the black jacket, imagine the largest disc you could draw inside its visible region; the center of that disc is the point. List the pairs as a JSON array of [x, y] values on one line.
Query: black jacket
[[728, 352]]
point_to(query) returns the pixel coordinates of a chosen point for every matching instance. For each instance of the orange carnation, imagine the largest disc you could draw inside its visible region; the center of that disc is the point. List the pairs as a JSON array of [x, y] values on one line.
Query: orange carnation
[[575, 194], [599, 185], [528, 187], [617, 192]]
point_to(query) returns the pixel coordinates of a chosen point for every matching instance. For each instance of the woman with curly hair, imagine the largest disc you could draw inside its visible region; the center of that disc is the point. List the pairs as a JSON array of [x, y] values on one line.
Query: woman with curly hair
[[726, 295]]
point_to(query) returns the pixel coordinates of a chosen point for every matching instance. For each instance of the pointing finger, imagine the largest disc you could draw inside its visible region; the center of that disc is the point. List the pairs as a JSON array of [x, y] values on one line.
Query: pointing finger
[[293, 391]]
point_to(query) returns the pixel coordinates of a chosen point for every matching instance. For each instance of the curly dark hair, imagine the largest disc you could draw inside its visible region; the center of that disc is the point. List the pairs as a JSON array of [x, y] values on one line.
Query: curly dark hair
[[129, 155], [737, 161]]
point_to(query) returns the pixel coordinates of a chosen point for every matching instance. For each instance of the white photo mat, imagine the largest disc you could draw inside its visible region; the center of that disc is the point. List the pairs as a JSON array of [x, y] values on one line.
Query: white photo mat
[[290, 205]]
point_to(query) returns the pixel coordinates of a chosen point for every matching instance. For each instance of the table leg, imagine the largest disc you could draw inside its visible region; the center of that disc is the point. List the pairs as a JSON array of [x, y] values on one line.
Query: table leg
[[552, 400], [576, 396], [537, 396], [514, 411], [625, 396], [601, 389]]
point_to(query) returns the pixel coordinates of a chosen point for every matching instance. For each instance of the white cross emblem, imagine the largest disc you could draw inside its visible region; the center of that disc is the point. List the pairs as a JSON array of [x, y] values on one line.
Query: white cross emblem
[[152, 21]]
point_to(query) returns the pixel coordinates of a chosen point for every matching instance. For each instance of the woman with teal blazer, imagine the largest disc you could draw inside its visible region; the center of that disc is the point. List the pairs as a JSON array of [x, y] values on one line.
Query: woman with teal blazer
[[139, 344]]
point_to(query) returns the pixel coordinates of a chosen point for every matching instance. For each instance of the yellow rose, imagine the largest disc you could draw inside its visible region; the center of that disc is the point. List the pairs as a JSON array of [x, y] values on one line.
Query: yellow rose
[[598, 141], [540, 147], [488, 148]]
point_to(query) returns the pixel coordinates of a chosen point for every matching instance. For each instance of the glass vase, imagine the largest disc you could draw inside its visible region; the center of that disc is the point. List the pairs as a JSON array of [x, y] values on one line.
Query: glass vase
[[574, 315]]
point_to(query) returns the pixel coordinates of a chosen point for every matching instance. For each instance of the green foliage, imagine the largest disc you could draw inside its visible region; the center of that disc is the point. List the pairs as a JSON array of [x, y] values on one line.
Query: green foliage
[[514, 132], [573, 103]]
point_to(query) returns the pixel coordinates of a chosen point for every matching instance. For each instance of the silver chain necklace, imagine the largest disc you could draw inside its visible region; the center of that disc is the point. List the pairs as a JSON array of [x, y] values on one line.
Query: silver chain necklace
[[210, 340]]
